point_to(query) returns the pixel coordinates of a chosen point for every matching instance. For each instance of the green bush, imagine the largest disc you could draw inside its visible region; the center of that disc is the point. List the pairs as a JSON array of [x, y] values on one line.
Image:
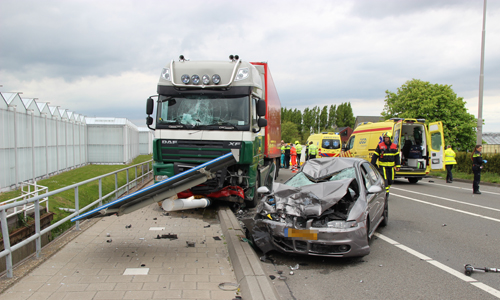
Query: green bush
[[464, 162]]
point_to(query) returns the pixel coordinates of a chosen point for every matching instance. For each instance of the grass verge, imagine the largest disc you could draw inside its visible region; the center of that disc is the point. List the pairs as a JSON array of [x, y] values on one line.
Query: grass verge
[[485, 176]]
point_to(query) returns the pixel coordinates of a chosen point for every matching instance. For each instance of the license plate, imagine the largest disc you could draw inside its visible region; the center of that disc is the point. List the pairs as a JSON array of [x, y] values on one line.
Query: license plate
[[303, 234]]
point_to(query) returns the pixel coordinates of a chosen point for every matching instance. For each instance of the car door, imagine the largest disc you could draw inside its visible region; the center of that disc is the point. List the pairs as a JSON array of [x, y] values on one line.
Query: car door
[[377, 180], [371, 199], [436, 138]]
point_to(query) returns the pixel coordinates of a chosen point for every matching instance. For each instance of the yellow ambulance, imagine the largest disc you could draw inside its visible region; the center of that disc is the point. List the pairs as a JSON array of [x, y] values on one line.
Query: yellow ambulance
[[328, 143], [421, 146]]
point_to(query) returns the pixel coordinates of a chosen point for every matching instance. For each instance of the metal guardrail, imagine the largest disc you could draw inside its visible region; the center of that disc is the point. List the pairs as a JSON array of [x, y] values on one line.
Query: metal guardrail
[[8, 249]]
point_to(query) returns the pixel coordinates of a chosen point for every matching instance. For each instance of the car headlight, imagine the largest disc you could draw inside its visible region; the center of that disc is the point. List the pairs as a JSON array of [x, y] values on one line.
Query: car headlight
[[342, 224], [161, 177], [165, 73], [242, 74]]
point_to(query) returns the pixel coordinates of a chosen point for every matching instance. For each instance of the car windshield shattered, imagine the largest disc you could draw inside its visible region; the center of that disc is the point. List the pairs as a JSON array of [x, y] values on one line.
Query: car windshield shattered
[[204, 112]]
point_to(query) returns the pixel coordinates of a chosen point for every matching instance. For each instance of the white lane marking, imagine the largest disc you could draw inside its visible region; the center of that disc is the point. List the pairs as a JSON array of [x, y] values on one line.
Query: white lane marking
[[447, 199], [449, 208], [457, 187], [443, 267]]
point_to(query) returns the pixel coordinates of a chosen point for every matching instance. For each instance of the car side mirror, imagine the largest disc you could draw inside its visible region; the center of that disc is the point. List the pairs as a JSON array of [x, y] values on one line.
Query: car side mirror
[[149, 107], [261, 108], [375, 189], [263, 190]]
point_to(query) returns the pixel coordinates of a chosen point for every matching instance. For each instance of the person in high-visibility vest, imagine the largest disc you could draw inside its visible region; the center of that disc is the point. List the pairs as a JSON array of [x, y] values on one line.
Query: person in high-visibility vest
[[389, 161], [293, 154], [282, 154], [313, 150], [298, 146], [449, 161]]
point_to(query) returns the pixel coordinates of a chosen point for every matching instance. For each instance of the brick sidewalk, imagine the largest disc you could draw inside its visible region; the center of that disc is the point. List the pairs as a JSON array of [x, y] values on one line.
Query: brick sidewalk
[[89, 267]]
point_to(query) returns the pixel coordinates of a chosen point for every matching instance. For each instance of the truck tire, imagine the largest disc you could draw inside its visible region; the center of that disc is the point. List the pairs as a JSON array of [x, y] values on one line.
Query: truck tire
[[255, 200]]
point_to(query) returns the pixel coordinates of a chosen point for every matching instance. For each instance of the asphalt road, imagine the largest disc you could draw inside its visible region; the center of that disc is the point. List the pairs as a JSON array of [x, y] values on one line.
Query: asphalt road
[[434, 229]]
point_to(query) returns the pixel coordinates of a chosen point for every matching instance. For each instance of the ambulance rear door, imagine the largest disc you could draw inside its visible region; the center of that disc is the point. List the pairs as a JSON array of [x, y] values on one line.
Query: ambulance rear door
[[436, 145]]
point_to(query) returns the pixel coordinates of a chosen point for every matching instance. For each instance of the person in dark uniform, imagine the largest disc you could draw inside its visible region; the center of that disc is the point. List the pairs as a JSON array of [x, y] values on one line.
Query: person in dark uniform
[[477, 165], [387, 154], [287, 156]]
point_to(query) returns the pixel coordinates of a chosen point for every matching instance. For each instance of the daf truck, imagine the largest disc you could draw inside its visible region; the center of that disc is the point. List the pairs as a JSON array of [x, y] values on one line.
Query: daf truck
[[205, 109]]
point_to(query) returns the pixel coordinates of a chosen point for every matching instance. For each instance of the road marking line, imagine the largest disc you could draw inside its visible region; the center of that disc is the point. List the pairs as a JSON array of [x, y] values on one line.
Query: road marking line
[[447, 199], [441, 266], [457, 187], [449, 208]]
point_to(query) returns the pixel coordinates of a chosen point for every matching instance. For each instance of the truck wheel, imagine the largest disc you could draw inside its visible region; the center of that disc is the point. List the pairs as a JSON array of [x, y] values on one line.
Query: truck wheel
[[413, 180], [253, 203]]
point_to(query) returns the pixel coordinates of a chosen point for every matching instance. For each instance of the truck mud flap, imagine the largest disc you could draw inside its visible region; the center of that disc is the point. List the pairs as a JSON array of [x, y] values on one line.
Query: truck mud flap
[[163, 189]]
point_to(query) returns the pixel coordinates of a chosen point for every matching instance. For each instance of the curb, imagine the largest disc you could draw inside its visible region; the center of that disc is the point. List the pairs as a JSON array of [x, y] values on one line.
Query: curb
[[254, 283]]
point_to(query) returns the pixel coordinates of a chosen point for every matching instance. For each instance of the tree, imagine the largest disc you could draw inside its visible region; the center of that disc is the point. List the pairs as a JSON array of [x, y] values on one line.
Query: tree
[[434, 102], [344, 115], [289, 132], [323, 118], [331, 116]]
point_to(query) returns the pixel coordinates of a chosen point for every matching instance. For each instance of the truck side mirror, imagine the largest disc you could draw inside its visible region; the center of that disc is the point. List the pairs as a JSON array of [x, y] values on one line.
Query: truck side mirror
[[149, 107], [149, 121], [261, 108], [262, 122]]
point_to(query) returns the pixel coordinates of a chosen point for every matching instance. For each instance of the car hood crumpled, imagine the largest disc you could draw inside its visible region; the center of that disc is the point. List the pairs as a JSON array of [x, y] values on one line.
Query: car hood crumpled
[[307, 201], [318, 169]]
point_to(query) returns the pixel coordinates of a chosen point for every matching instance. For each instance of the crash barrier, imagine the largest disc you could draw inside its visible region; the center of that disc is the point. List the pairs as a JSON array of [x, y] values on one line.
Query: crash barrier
[[36, 200], [464, 162]]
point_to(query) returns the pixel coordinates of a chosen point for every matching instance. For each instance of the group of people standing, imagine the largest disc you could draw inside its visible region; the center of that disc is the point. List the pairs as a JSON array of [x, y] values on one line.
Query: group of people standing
[[292, 153], [387, 154]]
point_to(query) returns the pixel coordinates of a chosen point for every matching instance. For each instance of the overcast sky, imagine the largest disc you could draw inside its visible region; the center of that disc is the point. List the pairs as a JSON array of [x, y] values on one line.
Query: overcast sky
[[103, 58]]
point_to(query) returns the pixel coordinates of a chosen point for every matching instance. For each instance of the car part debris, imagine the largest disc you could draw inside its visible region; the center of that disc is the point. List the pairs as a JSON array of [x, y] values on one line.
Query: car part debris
[[190, 244], [143, 265], [170, 236], [206, 226], [108, 235], [128, 226], [469, 269], [185, 203], [228, 286], [280, 272], [291, 273], [217, 238], [109, 241], [272, 277], [282, 277], [155, 218], [166, 214], [294, 268]]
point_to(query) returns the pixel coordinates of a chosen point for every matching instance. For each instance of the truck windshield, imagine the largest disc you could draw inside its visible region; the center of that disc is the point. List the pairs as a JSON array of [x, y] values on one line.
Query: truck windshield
[[204, 112]]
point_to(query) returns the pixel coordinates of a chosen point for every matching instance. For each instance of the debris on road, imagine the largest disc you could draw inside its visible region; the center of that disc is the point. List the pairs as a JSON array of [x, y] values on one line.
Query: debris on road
[[294, 268], [272, 277], [190, 244], [469, 269], [170, 236], [109, 241], [217, 238], [128, 226], [206, 226]]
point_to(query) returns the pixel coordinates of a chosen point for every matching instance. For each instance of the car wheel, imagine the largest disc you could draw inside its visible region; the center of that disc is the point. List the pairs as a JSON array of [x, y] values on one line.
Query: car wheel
[[385, 214], [413, 180], [253, 203]]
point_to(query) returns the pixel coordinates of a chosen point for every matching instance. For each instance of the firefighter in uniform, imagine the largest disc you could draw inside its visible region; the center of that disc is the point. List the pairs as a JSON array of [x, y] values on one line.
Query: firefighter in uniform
[[298, 146], [477, 165], [313, 150], [389, 161], [449, 161]]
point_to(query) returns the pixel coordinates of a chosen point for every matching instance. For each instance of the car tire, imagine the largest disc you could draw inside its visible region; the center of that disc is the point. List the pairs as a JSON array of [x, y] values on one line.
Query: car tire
[[253, 203], [413, 180], [385, 214]]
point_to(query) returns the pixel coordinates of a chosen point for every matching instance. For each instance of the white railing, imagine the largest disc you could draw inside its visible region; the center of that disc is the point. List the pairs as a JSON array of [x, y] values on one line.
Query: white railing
[[35, 201], [26, 208]]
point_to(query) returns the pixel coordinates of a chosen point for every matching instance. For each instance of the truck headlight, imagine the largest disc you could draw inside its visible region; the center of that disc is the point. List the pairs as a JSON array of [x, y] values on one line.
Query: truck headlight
[[161, 177], [216, 79], [195, 79], [205, 79], [165, 73], [185, 78], [242, 74]]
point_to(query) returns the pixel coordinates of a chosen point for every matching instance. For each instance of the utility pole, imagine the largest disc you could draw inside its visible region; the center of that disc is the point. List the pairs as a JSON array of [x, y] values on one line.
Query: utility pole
[[479, 135]]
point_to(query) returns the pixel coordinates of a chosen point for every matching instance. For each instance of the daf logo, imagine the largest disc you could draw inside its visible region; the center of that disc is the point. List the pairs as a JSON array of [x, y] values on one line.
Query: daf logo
[[169, 142], [233, 144]]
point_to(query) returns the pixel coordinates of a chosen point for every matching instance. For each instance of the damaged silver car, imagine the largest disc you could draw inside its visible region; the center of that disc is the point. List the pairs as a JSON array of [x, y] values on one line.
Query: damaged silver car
[[331, 207]]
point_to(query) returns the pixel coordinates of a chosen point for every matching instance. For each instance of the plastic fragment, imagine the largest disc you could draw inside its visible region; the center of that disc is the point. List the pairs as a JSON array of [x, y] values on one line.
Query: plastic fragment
[[109, 241], [291, 273], [217, 238], [294, 268], [190, 244], [206, 226], [128, 226], [272, 277]]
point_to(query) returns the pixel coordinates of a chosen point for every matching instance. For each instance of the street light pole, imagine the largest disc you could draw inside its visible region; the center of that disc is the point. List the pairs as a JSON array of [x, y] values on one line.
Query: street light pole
[[479, 136]]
